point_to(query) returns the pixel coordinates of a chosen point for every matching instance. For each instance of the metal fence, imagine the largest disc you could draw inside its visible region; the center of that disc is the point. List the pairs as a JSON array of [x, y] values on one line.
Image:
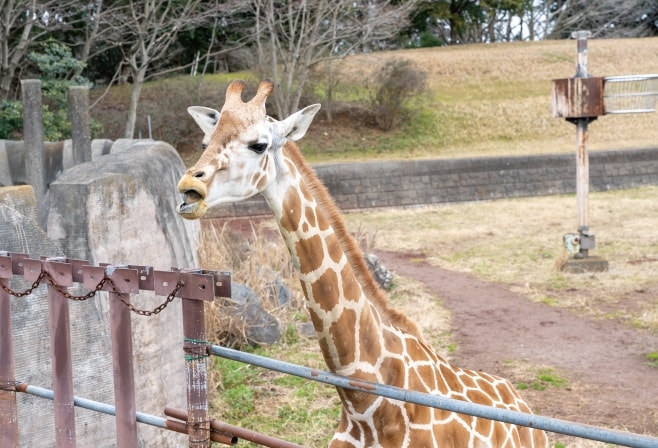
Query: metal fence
[[192, 287]]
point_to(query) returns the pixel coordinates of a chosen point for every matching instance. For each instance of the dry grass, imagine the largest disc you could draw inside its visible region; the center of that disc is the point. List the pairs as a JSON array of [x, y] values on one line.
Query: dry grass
[[257, 261], [265, 401], [519, 242]]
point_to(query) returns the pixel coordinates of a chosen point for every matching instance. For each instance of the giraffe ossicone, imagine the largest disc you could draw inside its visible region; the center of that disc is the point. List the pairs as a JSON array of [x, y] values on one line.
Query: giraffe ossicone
[[246, 153]]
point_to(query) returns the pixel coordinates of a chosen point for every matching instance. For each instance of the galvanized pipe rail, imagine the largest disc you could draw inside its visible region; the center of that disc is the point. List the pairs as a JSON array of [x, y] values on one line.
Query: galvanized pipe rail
[[140, 417], [193, 286], [435, 401]]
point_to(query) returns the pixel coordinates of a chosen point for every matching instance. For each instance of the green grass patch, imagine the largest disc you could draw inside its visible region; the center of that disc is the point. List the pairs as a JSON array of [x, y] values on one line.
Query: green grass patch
[[283, 406], [545, 378], [652, 358], [549, 378]]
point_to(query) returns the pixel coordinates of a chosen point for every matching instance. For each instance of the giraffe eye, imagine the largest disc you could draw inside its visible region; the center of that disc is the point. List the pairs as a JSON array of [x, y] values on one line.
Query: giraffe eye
[[204, 145], [258, 148]]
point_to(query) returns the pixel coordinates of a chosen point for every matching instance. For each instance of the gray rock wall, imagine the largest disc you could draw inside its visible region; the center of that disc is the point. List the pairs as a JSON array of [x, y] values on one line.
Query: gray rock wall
[[118, 208], [424, 182]]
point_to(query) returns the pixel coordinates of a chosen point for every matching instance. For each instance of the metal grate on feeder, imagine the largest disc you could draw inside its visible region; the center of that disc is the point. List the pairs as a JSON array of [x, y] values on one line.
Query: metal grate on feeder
[[630, 94]]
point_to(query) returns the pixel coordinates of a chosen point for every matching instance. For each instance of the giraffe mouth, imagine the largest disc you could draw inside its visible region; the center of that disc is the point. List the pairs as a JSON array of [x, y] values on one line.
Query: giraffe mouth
[[193, 205]]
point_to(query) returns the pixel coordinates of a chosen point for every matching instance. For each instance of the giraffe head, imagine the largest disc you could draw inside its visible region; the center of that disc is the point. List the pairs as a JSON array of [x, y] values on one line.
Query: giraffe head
[[242, 146]]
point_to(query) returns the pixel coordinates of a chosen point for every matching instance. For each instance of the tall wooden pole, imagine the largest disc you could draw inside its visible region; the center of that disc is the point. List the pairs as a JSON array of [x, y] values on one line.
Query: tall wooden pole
[[582, 158]]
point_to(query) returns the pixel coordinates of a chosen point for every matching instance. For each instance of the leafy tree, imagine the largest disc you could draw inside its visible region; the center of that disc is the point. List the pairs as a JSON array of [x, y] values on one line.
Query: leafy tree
[[23, 24], [451, 21], [55, 65]]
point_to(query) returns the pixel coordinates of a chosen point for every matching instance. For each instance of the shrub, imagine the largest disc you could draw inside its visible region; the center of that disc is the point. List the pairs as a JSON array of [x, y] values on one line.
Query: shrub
[[391, 90], [54, 64], [11, 120], [428, 39]]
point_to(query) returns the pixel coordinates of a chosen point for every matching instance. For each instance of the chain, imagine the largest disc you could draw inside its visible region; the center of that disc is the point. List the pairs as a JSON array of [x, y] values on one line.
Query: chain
[[28, 291], [64, 291], [157, 309]]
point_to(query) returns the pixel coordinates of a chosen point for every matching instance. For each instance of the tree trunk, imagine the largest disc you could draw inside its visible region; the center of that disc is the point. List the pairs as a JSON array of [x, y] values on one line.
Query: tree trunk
[[138, 80]]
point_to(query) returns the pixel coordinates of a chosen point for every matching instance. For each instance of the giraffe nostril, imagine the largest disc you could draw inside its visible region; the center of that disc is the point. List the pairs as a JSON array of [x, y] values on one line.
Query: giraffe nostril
[[199, 174]]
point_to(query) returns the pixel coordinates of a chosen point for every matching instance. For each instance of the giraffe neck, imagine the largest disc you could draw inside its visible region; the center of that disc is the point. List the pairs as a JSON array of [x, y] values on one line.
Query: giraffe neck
[[335, 298], [344, 302]]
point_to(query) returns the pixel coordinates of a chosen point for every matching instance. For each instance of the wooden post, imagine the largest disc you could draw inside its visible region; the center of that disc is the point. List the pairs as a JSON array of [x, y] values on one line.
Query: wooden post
[[35, 159], [582, 157], [79, 116]]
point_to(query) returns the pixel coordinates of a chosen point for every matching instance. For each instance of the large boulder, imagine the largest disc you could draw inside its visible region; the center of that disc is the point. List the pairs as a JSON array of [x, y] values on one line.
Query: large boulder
[[118, 209]]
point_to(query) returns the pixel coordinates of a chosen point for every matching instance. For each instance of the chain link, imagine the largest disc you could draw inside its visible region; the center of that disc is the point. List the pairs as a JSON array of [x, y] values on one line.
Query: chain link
[[64, 291], [28, 291], [157, 309]]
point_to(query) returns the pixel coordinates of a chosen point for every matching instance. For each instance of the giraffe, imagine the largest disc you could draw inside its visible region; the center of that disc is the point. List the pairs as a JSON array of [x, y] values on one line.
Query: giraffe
[[360, 336]]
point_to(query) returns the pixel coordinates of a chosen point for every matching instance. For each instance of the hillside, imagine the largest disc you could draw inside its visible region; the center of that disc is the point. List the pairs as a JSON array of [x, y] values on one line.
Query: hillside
[[483, 100]]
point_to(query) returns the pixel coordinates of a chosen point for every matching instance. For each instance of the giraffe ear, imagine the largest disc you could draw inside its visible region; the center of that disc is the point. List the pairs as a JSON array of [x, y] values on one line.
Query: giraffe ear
[[205, 117], [294, 127]]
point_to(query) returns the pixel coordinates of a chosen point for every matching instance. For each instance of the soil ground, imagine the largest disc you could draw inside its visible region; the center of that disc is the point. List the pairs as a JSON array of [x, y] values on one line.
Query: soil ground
[[498, 331]]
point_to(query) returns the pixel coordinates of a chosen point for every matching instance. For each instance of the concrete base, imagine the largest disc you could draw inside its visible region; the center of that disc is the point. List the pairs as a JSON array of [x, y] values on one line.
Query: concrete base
[[582, 265]]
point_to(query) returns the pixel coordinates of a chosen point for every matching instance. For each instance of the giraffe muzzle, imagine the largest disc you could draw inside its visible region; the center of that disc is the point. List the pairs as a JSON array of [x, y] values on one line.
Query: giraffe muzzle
[[194, 192]]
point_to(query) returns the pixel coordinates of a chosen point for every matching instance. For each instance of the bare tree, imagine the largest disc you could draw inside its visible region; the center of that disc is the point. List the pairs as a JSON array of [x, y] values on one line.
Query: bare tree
[[294, 36], [146, 32], [604, 18], [22, 23]]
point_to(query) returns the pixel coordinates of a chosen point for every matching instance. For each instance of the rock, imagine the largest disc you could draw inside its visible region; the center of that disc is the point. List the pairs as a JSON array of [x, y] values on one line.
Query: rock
[[260, 327], [306, 329], [382, 275], [279, 292]]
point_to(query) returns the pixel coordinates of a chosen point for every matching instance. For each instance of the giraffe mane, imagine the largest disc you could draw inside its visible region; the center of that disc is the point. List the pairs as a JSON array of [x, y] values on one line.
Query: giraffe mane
[[348, 243]]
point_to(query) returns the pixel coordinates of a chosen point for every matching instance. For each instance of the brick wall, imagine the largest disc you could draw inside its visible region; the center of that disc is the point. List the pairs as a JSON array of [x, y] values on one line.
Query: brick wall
[[425, 182]]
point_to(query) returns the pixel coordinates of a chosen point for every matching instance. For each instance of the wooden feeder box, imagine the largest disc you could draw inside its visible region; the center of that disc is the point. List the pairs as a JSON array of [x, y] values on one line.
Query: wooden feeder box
[[577, 97]]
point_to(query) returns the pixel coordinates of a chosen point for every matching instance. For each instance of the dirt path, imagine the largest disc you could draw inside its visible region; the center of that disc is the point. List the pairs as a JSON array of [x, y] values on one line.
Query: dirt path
[[610, 382]]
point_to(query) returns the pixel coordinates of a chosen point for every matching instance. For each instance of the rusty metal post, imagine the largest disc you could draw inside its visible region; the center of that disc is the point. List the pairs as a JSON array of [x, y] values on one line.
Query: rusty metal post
[[582, 157], [196, 356], [126, 282], [8, 413], [60, 344], [197, 288]]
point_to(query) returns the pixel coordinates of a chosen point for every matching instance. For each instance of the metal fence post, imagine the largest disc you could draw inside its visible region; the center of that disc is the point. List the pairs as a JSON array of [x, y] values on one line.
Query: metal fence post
[[8, 414], [197, 288], [125, 280], [61, 274]]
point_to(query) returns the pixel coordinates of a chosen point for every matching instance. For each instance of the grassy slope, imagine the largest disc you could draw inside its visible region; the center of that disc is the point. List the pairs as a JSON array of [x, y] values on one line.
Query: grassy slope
[[483, 100], [495, 99]]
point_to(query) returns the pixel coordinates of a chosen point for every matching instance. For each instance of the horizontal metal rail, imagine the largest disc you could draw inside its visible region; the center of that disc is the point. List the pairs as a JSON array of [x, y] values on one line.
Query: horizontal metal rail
[[435, 401], [141, 417]]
